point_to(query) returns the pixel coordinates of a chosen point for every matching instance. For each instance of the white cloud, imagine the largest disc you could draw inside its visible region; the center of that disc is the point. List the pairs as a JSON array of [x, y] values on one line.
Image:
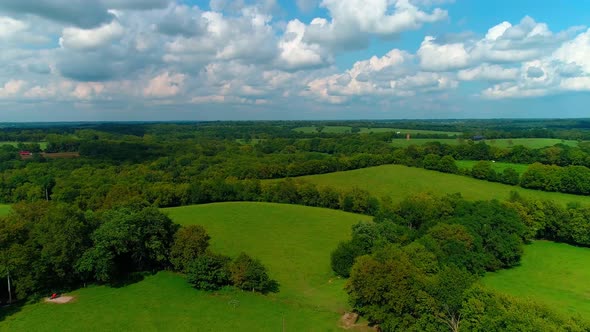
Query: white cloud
[[87, 39], [11, 88], [488, 72], [295, 53], [164, 85], [443, 57], [9, 27]]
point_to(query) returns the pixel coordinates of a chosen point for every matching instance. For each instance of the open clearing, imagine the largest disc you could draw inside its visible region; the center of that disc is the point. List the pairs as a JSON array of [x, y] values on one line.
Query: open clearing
[[344, 129], [497, 166], [556, 274], [398, 181], [43, 145], [4, 209], [293, 241]]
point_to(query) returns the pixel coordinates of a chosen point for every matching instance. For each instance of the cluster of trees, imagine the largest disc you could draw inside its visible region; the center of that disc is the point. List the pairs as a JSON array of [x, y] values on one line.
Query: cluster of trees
[[209, 271], [569, 179], [416, 268], [48, 247]]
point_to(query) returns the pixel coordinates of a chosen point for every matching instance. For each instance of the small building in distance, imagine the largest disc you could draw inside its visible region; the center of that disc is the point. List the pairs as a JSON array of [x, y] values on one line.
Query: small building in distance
[[25, 153], [478, 138]]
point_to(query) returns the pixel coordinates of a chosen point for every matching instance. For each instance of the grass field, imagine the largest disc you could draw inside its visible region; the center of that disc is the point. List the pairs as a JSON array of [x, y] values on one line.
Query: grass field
[[497, 166], [531, 143], [294, 242], [15, 144], [4, 208], [345, 129], [399, 181], [552, 273]]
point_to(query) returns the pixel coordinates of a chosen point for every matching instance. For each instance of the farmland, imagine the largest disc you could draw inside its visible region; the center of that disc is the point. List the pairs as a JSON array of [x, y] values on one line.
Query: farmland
[[344, 129], [552, 273], [531, 143], [43, 145], [399, 181], [310, 299], [496, 166]]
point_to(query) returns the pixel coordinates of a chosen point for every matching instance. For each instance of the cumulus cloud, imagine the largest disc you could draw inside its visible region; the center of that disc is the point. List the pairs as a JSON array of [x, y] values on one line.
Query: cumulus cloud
[[9, 27], [86, 39], [11, 88], [164, 85], [488, 72], [444, 57], [297, 54]]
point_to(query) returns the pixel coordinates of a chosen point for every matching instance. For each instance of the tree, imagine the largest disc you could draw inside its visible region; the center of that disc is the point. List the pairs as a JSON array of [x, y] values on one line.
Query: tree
[[209, 272], [447, 164], [510, 176], [448, 291], [342, 258], [190, 242], [248, 273]]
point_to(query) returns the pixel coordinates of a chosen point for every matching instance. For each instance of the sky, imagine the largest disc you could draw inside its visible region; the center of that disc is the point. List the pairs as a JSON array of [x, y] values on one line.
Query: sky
[[152, 60]]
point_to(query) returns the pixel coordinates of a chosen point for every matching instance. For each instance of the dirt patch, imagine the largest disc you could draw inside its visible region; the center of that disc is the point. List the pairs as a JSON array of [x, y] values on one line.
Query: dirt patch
[[348, 320], [60, 300]]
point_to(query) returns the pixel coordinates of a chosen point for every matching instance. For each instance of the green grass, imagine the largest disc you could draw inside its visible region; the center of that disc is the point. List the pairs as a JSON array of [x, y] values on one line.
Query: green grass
[[497, 166], [552, 273], [531, 143], [345, 129], [4, 209], [294, 242], [43, 145], [403, 143], [399, 181]]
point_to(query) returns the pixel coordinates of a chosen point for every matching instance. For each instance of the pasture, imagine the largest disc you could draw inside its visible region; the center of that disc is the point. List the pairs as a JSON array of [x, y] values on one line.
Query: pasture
[[43, 145], [556, 274], [403, 132], [397, 181], [497, 166], [294, 242], [531, 143]]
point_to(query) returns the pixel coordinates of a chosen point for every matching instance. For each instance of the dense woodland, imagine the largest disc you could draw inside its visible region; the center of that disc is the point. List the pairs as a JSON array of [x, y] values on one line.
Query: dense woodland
[[414, 268]]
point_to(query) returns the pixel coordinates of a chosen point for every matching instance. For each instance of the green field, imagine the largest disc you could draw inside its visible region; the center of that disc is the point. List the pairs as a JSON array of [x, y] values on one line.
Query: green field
[[15, 144], [497, 166], [552, 273], [403, 143], [294, 242], [531, 143], [4, 208], [399, 181], [345, 129]]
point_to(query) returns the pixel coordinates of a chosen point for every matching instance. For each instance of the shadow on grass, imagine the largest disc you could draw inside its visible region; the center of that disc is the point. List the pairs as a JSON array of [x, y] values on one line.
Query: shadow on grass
[[130, 279], [7, 310]]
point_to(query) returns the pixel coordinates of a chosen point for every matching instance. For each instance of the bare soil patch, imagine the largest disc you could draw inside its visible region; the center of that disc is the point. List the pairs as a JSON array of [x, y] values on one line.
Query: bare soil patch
[[60, 300]]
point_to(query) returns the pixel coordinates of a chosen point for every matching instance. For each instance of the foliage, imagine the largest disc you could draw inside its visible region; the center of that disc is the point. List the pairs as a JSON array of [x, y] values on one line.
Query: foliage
[[209, 272], [248, 273], [190, 242]]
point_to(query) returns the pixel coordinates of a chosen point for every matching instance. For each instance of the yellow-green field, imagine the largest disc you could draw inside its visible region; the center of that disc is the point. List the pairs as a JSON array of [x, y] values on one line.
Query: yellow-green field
[[43, 145], [4, 209], [398, 181], [556, 274]]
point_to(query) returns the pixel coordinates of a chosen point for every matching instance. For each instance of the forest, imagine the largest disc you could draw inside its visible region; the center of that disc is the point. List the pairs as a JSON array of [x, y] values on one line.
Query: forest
[[93, 215]]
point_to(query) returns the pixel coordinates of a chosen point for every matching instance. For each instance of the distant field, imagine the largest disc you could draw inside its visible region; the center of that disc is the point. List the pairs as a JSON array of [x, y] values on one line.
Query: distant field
[[4, 208], [398, 181], [15, 144], [294, 242], [402, 142], [497, 166], [531, 143], [344, 129], [553, 273]]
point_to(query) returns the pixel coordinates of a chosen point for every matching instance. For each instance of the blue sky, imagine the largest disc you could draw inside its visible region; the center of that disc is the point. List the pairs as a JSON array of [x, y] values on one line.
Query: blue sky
[[72, 60]]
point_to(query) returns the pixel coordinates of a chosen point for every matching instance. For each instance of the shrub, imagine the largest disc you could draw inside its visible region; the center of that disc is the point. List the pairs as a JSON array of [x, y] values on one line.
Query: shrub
[[209, 272], [248, 273]]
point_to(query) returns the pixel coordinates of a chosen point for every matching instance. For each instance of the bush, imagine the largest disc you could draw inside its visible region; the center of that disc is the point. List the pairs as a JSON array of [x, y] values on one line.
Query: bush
[[343, 256], [209, 272], [190, 242], [248, 273]]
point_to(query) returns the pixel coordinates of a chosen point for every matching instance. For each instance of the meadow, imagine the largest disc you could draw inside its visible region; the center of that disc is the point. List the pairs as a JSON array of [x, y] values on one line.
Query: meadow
[[496, 166], [294, 242], [43, 145], [345, 129], [397, 181], [531, 143], [555, 274]]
